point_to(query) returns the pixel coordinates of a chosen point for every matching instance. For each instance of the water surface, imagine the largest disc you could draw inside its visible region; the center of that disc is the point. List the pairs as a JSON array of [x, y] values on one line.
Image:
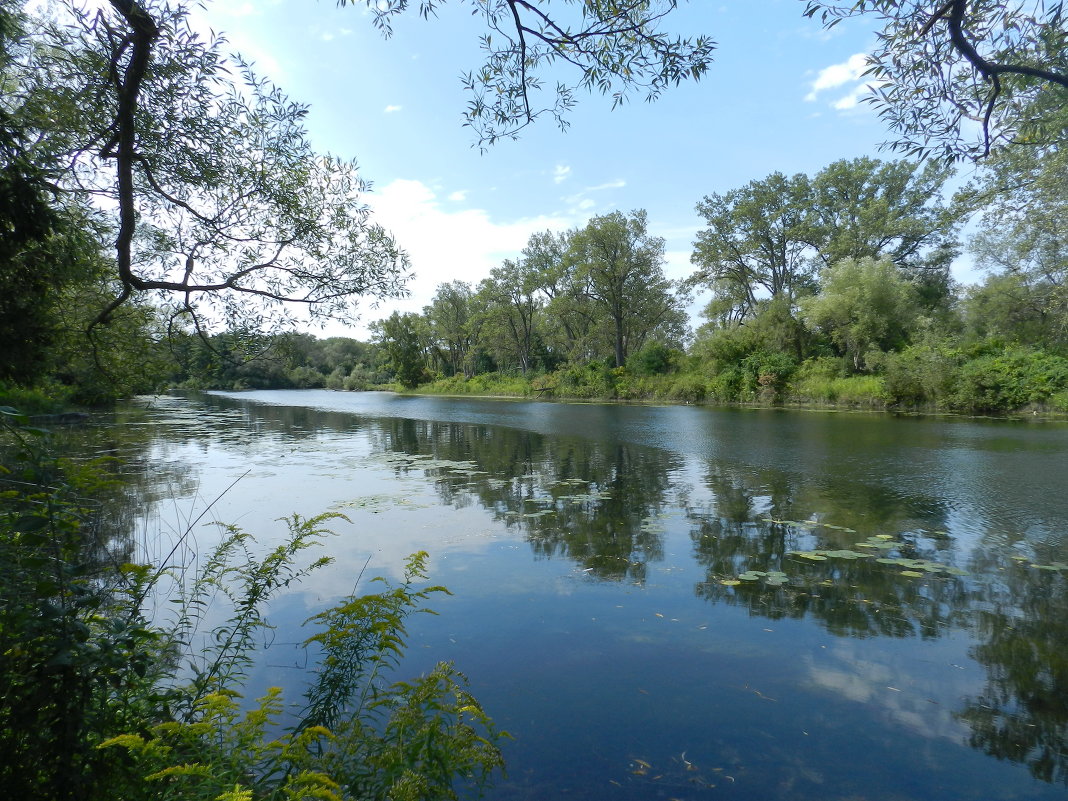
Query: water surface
[[675, 602]]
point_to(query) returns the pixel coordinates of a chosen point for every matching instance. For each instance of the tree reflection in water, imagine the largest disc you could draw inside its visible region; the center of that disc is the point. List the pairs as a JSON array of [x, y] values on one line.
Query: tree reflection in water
[[599, 504], [603, 504]]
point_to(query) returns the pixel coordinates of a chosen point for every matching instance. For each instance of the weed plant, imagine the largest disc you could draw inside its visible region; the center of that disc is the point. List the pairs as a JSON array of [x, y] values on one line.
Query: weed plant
[[99, 702]]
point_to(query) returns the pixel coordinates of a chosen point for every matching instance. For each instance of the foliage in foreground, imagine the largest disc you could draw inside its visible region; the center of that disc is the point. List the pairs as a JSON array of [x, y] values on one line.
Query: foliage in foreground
[[101, 702]]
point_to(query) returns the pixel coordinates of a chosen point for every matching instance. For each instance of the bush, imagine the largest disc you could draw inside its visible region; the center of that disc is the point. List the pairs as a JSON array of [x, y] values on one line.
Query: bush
[[688, 389], [920, 375], [1009, 380], [765, 375], [655, 359]]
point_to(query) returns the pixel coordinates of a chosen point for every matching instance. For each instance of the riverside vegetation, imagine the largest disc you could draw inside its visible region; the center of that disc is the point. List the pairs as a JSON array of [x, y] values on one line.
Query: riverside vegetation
[[826, 290], [101, 701]]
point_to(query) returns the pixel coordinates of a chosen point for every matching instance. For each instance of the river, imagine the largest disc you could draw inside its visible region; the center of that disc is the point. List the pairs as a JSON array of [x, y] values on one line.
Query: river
[[672, 602]]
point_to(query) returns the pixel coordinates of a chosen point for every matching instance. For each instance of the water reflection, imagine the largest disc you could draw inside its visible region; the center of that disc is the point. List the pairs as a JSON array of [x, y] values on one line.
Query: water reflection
[[593, 501], [1021, 627], [866, 529]]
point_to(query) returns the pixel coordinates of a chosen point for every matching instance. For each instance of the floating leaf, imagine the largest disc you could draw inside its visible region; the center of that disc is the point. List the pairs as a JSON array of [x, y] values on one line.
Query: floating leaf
[[846, 554], [730, 582], [913, 573]]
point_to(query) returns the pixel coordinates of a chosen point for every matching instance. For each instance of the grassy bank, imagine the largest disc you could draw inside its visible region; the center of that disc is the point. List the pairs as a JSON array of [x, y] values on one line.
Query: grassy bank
[[919, 379]]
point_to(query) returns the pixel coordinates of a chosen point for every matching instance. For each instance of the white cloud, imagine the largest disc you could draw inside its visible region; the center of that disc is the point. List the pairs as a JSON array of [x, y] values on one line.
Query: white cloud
[[850, 73], [838, 75], [392, 109], [445, 245], [561, 173], [619, 183], [458, 196], [327, 37], [581, 201], [849, 101]]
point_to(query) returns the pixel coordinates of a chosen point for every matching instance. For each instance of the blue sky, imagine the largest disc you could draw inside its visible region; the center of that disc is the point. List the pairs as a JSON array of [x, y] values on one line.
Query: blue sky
[[781, 95]]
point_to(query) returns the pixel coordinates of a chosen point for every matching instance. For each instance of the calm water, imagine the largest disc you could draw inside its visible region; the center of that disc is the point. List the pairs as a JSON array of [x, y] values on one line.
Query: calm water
[[604, 610]]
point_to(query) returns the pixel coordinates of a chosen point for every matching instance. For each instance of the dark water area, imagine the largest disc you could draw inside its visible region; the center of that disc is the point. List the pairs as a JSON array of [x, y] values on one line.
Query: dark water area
[[670, 602]]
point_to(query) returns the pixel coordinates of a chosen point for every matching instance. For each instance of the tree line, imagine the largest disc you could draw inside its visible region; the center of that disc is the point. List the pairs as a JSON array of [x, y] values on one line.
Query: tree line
[[824, 288], [830, 288]]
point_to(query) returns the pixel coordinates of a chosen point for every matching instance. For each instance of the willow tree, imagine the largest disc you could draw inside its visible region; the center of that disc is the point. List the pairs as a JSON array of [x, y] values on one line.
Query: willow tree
[[956, 79], [614, 47], [218, 208]]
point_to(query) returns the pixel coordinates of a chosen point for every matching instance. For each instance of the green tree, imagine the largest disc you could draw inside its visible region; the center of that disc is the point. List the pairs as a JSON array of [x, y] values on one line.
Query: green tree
[[1011, 307], [866, 208], [958, 79], [624, 268], [449, 317], [223, 212], [864, 304], [758, 243], [570, 321], [1023, 239], [512, 305], [403, 337]]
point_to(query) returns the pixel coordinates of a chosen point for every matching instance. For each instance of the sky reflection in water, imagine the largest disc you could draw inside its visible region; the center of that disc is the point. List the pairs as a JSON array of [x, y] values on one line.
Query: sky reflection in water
[[595, 555]]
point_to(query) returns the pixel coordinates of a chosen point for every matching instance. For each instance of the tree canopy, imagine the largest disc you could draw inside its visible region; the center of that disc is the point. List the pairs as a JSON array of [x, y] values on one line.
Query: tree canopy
[[959, 78], [769, 238], [200, 171], [614, 47]]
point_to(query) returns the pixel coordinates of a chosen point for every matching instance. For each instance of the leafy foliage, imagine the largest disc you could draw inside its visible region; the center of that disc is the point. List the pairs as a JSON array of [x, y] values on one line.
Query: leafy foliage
[[616, 47], [101, 702], [958, 79], [222, 211], [865, 304]]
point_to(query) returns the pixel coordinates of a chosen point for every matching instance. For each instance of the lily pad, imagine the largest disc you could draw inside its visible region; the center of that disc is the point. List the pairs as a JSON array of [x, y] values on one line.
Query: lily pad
[[912, 573], [812, 556]]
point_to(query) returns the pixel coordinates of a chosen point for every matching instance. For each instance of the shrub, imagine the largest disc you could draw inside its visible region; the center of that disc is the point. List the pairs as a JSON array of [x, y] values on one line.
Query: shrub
[[920, 375], [655, 359], [689, 389], [765, 375], [1008, 380]]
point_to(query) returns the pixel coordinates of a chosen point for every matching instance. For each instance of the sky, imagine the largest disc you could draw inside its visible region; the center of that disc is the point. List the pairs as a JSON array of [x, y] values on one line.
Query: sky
[[782, 95]]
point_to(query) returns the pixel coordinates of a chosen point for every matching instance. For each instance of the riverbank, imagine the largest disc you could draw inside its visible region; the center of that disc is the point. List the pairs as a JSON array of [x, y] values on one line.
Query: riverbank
[[1000, 392]]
